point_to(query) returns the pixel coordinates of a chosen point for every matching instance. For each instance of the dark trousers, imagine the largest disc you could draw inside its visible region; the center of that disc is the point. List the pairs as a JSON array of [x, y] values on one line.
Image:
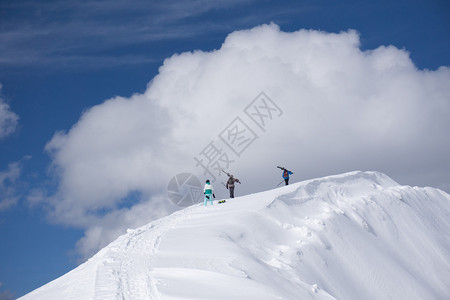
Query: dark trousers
[[286, 180], [231, 188]]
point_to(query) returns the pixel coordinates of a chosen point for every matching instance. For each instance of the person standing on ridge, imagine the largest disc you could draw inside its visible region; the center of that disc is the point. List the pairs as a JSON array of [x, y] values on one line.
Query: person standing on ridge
[[230, 184], [208, 191], [286, 174]]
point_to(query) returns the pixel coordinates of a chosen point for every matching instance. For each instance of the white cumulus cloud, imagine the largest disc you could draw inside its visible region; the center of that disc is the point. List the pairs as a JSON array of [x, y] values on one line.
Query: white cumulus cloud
[[341, 109], [9, 195], [8, 119]]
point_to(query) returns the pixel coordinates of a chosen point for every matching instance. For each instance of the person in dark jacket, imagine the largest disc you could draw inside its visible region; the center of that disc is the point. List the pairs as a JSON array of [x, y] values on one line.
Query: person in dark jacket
[[230, 185]]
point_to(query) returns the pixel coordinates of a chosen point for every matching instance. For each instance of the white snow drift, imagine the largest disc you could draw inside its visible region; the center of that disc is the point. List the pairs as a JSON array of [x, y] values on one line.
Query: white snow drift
[[357, 235]]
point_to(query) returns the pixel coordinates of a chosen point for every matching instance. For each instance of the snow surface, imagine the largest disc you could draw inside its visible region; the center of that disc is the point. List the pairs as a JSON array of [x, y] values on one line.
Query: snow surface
[[357, 235]]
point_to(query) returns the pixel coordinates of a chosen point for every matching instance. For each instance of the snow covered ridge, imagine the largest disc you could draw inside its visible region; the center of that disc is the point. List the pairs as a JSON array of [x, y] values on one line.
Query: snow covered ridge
[[357, 235]]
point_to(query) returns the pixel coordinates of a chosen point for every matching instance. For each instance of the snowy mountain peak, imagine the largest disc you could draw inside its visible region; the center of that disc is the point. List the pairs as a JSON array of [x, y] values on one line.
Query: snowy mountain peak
[[357, 235]]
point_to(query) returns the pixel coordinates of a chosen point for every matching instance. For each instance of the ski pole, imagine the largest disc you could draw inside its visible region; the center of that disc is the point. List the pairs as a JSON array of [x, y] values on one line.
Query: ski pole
[[280, 183]]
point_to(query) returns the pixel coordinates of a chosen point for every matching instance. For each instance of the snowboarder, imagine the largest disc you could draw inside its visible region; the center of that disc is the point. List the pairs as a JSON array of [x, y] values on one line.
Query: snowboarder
[[208, 191], [230, 184], [285, 174]]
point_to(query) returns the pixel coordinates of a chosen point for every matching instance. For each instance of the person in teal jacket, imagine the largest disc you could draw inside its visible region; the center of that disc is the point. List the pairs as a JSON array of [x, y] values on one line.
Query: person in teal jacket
[[209, 192]]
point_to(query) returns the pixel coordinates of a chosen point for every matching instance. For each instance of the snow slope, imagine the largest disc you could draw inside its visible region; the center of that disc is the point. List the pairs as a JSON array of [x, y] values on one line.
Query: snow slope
[[357, 235]]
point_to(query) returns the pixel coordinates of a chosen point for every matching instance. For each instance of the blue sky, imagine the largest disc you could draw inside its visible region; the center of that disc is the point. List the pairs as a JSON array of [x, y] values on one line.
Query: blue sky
[[58, 59]]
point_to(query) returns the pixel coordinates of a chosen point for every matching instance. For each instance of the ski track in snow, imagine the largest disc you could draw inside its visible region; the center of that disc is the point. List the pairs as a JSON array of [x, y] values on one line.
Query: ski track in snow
[[126, 273], [357, 235]]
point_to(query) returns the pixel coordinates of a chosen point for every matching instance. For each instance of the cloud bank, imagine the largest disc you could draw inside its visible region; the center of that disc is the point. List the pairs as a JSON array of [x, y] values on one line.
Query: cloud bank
[[340, 109]]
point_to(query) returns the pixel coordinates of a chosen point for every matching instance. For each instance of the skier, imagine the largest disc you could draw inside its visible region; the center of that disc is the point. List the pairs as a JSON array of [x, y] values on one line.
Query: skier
[[286, 174], [209, 192], [230, 184]]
